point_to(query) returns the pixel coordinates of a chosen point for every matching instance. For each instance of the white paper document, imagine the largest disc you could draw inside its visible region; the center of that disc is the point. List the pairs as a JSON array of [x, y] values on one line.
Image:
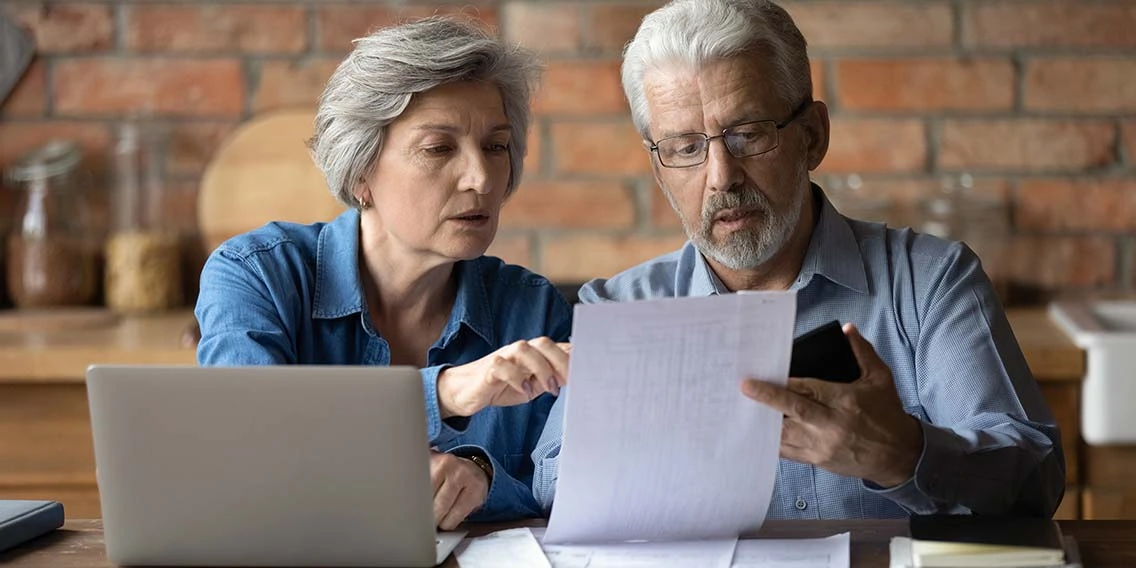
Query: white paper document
[[659, 442], [513, 548], [717, 553], [829, 552]]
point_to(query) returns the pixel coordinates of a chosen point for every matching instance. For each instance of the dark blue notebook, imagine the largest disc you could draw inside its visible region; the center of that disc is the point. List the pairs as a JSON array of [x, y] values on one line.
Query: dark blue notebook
[[21, 521]]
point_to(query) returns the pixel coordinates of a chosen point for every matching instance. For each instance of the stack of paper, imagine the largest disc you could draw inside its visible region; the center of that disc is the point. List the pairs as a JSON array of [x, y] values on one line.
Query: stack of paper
[[966, 541]]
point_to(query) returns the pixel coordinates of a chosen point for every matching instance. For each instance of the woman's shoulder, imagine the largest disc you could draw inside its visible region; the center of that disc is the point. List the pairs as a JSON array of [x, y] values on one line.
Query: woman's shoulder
[[498, 273], [273, 235]]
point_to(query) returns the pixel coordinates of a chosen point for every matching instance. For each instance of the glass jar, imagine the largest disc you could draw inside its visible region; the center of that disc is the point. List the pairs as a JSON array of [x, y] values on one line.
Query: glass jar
[[51, 258], [143, 259]]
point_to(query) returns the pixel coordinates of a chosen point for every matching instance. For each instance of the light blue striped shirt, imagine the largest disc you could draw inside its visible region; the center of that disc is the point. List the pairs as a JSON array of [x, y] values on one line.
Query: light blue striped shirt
[[990, 443]]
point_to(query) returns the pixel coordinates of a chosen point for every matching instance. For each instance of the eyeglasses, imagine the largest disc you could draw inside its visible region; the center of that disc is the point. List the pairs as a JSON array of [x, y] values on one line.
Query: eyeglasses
[[741, 140]]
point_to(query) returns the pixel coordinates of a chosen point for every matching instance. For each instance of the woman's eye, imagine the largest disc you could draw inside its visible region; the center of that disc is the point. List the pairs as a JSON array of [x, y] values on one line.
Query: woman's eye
[[438, 150], [497, 147]]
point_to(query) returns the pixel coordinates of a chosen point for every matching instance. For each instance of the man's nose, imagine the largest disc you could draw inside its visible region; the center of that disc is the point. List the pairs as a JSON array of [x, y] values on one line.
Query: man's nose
[[723, 171]]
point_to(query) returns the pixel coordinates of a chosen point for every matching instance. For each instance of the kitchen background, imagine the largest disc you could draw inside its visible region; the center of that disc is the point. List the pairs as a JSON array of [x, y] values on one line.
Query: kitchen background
[[1031, 104]]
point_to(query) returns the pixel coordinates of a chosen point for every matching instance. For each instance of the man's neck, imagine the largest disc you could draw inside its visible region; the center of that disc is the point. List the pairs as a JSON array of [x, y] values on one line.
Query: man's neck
[[779, 272]]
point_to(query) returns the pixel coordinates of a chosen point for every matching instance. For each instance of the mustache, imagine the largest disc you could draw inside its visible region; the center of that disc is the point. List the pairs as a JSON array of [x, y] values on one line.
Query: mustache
[[746, 197]]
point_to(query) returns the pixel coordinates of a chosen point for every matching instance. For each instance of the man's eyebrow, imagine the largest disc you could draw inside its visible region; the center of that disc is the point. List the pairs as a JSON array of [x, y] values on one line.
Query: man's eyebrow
[[452, 129]]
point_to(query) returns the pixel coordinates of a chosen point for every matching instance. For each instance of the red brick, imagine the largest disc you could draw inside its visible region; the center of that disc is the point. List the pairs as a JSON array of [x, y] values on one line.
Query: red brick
[[1064, 262], [581, 87], [663, 215], [534, 154], [817, 72], [214, 28], [994, 23], [29, 98], [841, 24], [545, 27], [862, 145], [598, 148], [925, 84], [1085, 84], [338, 25], [165, 86], [67, 28], [193, 144], [1026, 144], [291, 83], [612, 26], [1086, 204], [513, 248], [1130, 140], [898, 201], [17, 138], [575, 258], [569, 205]]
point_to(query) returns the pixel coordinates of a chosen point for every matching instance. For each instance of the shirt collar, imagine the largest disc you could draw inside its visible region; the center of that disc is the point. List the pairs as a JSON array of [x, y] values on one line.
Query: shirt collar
[[833, 252], [339, 292]]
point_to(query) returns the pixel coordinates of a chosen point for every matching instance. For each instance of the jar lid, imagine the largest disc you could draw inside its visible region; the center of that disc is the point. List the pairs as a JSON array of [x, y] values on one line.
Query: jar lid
[[54, 158]]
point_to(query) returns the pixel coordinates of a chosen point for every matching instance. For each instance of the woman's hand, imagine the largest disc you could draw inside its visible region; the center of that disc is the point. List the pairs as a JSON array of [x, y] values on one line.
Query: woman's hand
[[460, 487], [514, 374]]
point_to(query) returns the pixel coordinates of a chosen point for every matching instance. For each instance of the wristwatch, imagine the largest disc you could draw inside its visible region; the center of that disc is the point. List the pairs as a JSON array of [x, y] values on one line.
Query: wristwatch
[[481, 463]]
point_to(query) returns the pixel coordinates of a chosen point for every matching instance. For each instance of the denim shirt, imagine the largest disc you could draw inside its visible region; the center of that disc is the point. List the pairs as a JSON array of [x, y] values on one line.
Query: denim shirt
[[290, 294], [990, 445]]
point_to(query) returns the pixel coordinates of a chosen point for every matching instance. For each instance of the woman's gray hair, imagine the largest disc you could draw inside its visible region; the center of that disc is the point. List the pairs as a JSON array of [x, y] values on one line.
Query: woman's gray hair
[[375, 83], [697, 32]]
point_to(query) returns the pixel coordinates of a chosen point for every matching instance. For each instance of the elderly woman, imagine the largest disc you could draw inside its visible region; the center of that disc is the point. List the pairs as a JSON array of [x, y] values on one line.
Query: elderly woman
[[421, 132]]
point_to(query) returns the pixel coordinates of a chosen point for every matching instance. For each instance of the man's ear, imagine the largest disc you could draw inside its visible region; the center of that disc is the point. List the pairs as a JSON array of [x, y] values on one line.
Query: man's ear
[[815, 122]]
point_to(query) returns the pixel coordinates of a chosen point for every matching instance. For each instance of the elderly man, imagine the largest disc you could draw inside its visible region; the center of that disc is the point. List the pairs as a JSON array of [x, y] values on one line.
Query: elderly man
[[946, 416]]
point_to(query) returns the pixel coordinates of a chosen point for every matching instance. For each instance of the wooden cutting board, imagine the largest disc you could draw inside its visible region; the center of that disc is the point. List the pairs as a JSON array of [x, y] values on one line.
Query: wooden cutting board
[[262, 173]]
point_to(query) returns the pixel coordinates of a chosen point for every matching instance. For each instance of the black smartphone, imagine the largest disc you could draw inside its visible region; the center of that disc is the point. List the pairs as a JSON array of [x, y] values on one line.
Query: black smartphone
[[824, 353]]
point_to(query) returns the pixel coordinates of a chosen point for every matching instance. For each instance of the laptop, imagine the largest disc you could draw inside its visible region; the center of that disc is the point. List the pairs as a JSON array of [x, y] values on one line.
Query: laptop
[[264, 466]]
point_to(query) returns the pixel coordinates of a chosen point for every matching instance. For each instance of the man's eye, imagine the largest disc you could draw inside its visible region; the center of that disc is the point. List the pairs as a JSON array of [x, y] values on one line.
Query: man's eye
[[690, 149]]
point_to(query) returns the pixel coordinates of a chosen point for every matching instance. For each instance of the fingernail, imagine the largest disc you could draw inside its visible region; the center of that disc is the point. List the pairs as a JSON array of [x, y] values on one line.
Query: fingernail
[[528, 390], [749, 388], [555, 390]]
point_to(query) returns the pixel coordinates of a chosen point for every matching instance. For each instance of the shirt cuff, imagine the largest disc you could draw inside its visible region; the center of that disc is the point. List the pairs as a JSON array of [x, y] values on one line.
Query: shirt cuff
[[439, 431], [930, 485]]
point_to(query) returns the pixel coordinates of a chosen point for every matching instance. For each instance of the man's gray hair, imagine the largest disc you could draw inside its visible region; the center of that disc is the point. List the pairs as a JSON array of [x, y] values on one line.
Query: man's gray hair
[[696, 32], [375, 83]]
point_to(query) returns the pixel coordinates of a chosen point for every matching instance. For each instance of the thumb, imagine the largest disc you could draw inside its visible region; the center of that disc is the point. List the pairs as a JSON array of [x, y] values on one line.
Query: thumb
[[865, 354]]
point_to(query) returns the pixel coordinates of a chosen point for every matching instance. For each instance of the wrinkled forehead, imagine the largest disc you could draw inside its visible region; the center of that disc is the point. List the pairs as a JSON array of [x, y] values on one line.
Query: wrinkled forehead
[[683, 97]]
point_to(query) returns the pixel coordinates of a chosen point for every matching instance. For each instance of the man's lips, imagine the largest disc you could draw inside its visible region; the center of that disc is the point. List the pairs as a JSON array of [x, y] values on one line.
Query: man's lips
[[735, 214]]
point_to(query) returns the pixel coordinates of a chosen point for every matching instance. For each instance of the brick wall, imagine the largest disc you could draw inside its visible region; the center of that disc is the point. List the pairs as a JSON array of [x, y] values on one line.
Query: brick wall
[[1036, 99]]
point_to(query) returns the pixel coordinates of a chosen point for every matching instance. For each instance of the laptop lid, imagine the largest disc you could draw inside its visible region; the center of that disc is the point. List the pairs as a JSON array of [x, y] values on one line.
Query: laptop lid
[[263, 466]]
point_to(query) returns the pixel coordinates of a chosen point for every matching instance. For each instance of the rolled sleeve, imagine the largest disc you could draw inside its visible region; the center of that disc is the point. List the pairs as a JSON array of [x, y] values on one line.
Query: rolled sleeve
[[546, 455], [439, 431]]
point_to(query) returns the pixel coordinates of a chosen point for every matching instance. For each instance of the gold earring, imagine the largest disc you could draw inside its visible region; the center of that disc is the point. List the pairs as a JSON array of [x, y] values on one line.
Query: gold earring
[[363, 204]]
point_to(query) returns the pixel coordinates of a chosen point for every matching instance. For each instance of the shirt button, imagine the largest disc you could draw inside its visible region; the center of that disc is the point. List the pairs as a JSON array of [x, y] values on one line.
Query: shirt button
[[802, 504]]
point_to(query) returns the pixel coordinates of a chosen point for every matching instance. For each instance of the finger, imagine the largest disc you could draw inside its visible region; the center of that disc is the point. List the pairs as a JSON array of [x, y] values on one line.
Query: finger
[[444, 499], [468, 500], [516, 377], [780, 398], [865, 354], [816, 389], [557, 357], [453, 516], [437, 467], [533, 357]]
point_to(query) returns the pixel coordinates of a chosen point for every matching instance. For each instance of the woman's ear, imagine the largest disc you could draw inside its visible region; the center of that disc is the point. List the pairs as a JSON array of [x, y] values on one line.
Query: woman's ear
[[815, 122]]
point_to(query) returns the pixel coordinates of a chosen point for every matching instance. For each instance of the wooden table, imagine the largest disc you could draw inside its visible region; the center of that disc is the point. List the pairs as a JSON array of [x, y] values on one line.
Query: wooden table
[[1101, 543]]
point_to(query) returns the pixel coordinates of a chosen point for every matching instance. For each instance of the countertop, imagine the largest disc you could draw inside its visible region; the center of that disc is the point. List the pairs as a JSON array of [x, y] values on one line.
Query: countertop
[[64, 356]]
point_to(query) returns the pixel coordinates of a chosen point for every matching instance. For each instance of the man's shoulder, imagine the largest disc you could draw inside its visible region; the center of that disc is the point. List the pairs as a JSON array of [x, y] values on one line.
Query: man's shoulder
[[660, 277]]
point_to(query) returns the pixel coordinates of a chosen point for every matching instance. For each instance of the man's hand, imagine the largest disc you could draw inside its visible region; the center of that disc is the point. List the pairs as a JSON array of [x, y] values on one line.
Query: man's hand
[[857, 429], [511, 375], [460, 487]]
